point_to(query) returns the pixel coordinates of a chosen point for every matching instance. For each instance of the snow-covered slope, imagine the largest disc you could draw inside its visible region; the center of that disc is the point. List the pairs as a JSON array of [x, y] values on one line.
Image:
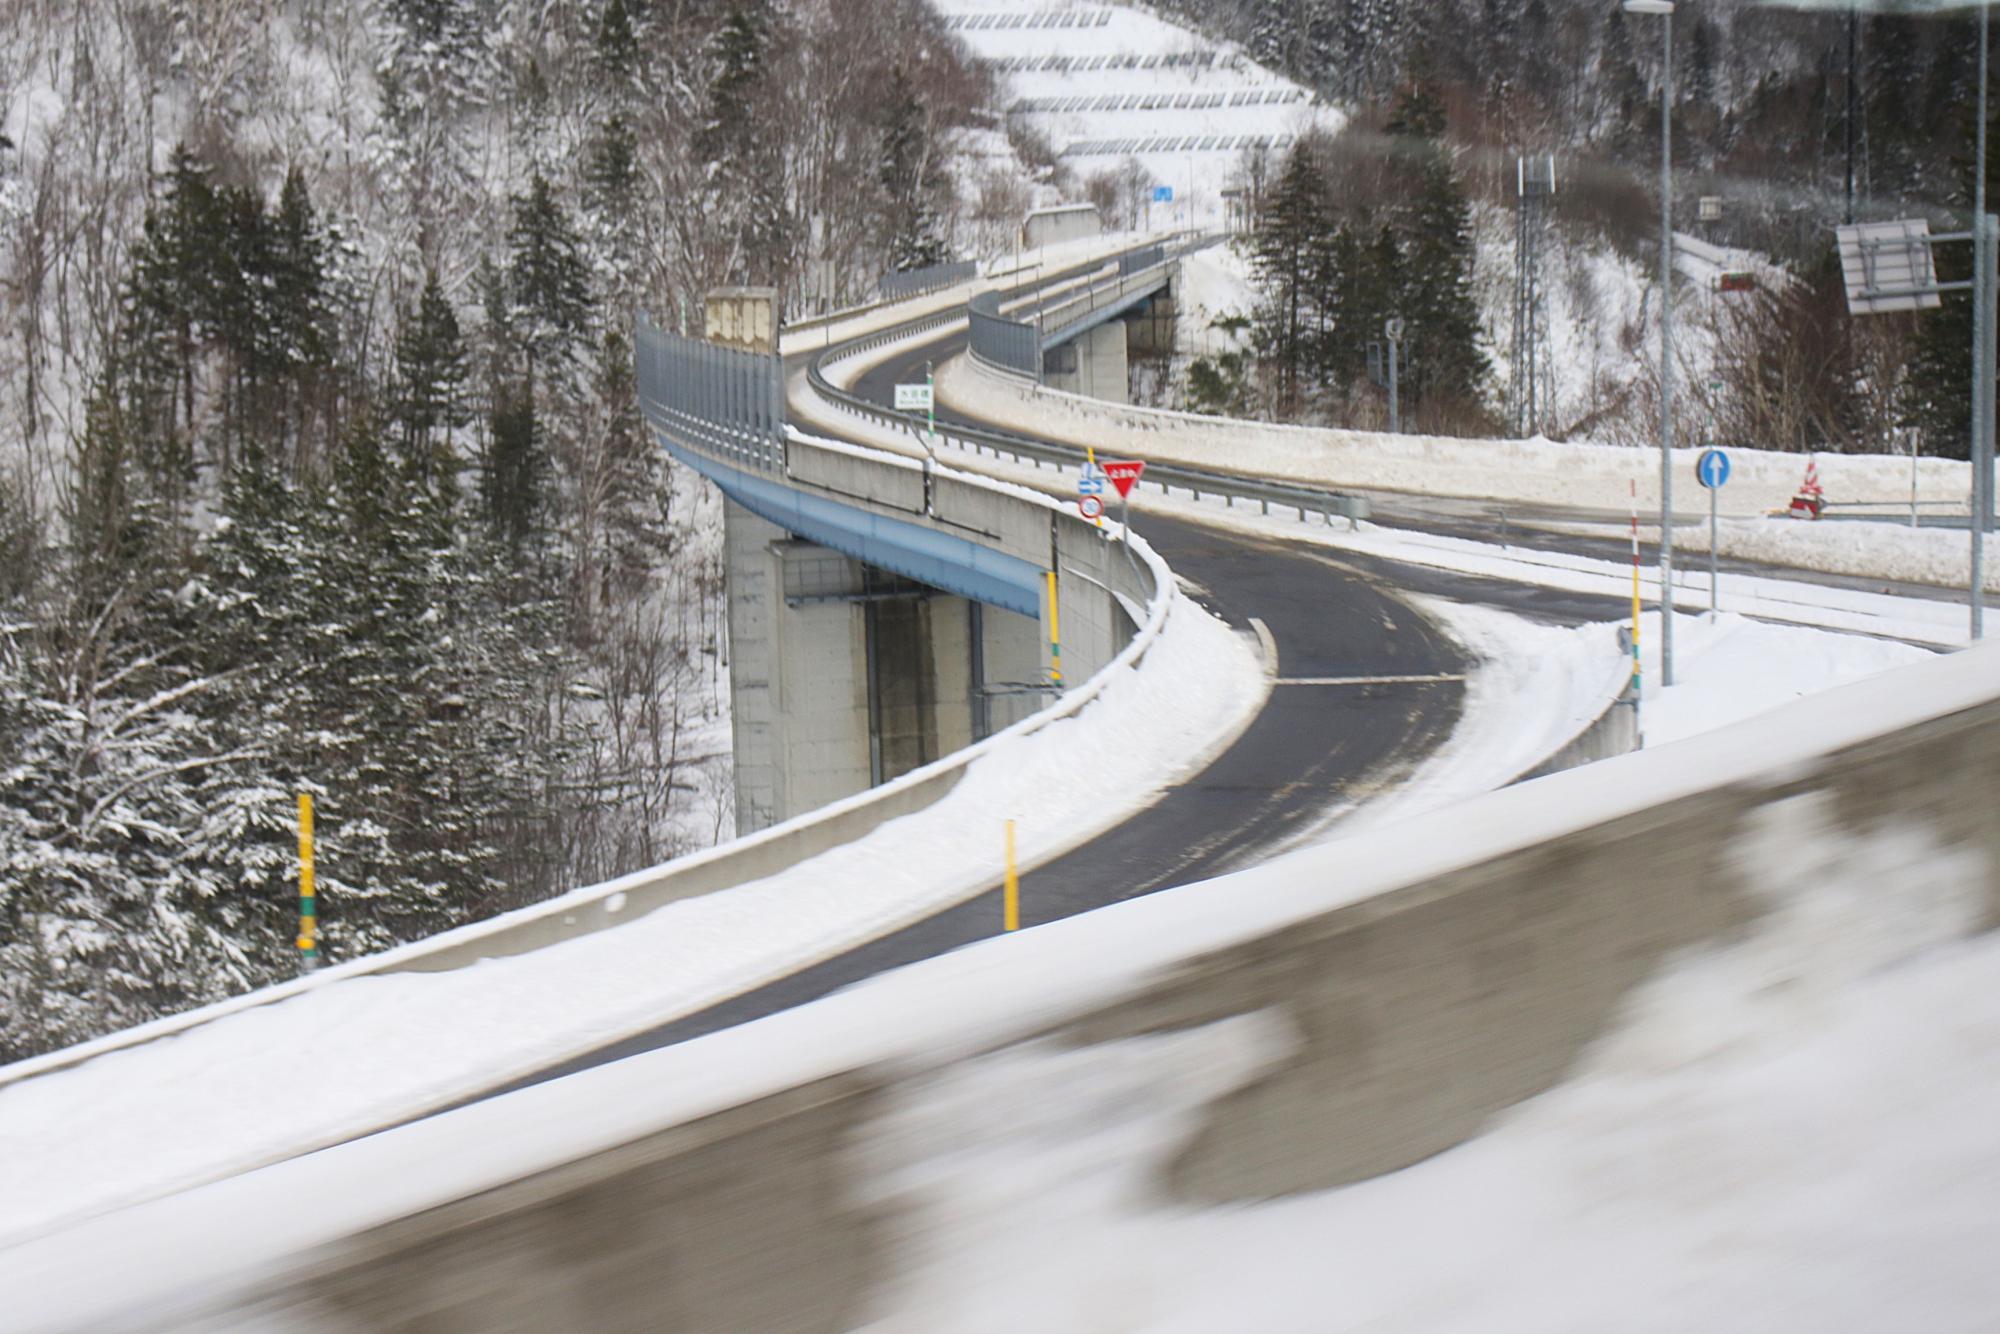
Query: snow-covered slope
[[1107, 85]]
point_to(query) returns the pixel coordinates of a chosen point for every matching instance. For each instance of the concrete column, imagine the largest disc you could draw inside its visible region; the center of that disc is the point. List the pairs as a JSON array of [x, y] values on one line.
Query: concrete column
[[823, 676], [797, 672], [951, 666], [902, 685], [1101, 368], [845, 677], [749, 582], [1014, 653], [1151, 328]]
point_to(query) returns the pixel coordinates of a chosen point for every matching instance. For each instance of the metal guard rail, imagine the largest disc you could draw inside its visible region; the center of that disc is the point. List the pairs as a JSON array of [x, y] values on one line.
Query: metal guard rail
[[1168, 477]]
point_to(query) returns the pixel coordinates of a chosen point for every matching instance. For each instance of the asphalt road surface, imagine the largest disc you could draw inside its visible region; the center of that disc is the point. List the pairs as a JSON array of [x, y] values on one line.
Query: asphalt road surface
[[1312, 749]]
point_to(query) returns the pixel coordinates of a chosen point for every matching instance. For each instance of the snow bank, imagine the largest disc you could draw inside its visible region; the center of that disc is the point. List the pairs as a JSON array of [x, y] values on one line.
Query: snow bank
[[1530, 472], [1939, 556], [1791, 1132], [1534, 689], [1731, 668], [245, 1091]]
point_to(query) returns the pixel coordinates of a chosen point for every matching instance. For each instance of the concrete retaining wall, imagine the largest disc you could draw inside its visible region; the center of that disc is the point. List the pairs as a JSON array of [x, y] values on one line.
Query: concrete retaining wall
[[1614, 732], [1526, 472], [1427, 976]]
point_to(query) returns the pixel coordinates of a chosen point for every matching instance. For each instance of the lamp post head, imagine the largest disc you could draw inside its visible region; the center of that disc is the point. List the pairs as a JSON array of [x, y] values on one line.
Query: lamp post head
[[1649, 6]]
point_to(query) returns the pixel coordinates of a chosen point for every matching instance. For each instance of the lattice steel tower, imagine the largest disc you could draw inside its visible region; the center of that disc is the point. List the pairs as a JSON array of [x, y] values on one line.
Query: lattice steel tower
[[1534, 376]]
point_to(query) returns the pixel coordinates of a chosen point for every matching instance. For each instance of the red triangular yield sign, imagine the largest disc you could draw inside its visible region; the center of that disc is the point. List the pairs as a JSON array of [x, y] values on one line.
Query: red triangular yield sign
[[1124, 473]]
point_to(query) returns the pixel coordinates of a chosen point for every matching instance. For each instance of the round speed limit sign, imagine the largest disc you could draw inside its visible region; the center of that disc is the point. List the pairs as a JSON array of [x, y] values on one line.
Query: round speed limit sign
[[1090, 507]]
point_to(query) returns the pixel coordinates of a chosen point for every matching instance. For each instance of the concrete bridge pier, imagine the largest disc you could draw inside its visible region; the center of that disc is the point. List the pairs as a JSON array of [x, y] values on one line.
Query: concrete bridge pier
[[1098, 362], [845, 676]]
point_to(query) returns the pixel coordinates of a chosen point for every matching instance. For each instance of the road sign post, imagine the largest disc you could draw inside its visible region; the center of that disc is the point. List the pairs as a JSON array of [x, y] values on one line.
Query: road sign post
[[922, 398], [1888, 266], [1090, 491], [1124, 474], [1712, 471], [1010, 900], [1392, 329]]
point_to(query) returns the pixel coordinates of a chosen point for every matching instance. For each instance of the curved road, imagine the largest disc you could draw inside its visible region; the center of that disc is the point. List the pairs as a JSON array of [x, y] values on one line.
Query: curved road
[[1313, 747]]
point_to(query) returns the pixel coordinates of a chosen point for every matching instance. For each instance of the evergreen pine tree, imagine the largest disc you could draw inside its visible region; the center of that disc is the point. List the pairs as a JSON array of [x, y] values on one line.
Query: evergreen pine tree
[[1441, 313], [617, 54], [171, 302], [1937, 394], [1284, 247], [911, 180], [737, 57], [516, 465], [126, 888], [611, 169], [548, 282], [432, 369]]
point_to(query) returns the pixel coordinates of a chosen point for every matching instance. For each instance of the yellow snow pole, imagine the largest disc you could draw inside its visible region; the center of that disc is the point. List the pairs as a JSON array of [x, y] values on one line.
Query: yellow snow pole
[[1010, 910], [1055, 633], [308, 909]]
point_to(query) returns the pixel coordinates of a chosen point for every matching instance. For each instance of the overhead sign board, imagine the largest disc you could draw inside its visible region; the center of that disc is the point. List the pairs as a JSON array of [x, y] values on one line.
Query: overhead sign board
[[1887, 266], [913, 398], [1124, 473]]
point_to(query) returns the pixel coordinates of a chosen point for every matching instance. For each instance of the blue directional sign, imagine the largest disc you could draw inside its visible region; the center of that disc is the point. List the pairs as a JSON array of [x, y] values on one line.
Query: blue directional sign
[[1163, 194], [1712, 469], [1090, 486]]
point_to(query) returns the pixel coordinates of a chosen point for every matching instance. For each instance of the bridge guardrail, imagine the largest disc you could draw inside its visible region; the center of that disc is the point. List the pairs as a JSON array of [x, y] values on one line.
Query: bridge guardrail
[[1198, 482], [907, 283], [722, 401], [1007, 344]]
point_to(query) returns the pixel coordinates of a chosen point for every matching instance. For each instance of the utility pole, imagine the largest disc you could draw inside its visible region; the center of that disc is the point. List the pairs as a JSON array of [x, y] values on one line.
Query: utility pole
[[1665, 9], [1853, 21], [1982, 350]]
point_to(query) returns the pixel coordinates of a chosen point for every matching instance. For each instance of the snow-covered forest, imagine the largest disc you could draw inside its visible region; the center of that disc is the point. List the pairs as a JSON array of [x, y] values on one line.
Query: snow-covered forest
[[1771, 118], [320, 467]]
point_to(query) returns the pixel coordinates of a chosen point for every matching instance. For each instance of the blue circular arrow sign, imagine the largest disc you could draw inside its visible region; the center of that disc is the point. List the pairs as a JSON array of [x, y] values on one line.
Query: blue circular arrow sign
[[1712, 469]]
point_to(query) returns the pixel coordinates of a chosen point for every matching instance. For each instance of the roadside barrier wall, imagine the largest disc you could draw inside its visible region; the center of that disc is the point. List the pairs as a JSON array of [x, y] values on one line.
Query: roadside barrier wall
[[1400, 987]]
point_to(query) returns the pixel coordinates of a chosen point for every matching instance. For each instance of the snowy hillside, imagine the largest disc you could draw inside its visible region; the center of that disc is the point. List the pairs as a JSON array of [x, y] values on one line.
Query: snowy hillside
[[1108, 86]]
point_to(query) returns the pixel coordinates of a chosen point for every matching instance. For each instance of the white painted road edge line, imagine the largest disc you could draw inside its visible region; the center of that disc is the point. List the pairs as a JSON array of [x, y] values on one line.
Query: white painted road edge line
[[1369, 680]]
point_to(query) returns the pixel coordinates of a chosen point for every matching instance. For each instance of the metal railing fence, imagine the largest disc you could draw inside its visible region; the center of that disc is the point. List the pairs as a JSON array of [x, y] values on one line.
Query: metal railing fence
[[723, 402], [902, 285]]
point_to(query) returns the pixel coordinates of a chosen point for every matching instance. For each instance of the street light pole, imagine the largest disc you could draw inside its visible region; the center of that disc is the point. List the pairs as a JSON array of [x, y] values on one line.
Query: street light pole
[[1983, 355], [1665, 9]]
